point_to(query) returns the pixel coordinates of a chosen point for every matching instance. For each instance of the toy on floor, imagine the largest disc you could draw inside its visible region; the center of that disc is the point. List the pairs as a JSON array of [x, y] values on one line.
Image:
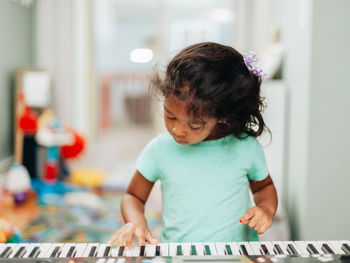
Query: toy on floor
[[89, 177], [53, 134], [8, 233], [17, 178], [60, 141], [18, 182]]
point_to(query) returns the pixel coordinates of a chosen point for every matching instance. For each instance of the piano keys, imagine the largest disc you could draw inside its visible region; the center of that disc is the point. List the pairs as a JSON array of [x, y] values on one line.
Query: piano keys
[[97, 250]]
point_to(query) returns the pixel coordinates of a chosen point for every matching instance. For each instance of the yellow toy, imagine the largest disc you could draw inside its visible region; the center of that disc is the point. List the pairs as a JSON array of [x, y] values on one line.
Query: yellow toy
[[90, 177]]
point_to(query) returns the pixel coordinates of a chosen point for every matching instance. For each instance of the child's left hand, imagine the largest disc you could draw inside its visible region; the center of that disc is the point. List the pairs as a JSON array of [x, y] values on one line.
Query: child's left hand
[[258, 218]]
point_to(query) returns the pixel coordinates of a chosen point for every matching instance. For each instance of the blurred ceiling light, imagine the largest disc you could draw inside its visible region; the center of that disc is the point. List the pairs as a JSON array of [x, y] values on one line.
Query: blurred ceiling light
[[221, 14], [141, 55]]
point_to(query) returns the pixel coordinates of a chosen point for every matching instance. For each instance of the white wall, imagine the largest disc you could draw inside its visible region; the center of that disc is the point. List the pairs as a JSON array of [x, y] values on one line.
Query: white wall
[[327, 215], [315, 39]]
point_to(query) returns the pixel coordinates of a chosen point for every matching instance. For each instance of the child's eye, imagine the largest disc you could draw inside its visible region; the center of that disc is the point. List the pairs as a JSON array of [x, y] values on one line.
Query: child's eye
[[195, 127], [171, 118]]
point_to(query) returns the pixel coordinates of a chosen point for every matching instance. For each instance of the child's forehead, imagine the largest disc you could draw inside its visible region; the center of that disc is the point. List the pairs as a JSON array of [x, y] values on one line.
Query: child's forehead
[[180, 108]]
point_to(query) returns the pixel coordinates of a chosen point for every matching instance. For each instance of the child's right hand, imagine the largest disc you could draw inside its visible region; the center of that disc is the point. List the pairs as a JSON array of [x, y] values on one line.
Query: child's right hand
[[125, 236]]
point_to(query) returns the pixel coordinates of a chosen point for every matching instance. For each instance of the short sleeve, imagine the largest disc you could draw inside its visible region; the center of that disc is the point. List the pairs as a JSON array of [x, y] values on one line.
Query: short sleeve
[[258, 170], [147, 162]]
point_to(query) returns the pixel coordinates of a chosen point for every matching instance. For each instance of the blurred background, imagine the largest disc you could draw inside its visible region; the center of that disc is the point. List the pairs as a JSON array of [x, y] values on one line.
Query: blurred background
[[77, 73]]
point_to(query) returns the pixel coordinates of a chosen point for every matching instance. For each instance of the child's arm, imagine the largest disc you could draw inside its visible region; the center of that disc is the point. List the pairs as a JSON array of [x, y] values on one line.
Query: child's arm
[[260, 216], [132, 207]]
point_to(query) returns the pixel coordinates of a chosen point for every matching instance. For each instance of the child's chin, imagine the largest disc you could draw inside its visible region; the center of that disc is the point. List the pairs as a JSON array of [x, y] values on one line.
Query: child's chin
[[182, 142]]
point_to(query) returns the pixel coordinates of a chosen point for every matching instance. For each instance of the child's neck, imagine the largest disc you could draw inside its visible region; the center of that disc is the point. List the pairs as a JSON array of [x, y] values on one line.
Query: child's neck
[[214, 135]]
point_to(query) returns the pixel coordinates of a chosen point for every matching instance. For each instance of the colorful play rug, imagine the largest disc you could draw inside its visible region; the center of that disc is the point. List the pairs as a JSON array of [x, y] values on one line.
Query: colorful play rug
[[82, 216]]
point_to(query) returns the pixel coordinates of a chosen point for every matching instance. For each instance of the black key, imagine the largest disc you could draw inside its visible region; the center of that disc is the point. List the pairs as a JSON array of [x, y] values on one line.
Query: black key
[[70, 252], [278, 250], [7, 251], [207, 250], [55, 252], [193, 250], [312, 250], [92, 251], [179, 250], [243, 250], [157, 250], [142, 251], [20, 252], [228, 250], [264, 250], [327, 249], [121, 250], [106, 252], [345, 247], [35, 252], [291, 250]]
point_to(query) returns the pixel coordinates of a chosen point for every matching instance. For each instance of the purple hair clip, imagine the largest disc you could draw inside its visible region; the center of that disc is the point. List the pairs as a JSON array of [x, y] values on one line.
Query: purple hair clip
[[249, 59]]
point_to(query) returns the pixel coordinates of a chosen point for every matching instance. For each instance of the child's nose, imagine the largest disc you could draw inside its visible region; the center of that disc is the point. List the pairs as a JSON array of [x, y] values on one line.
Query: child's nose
[[179, 130]]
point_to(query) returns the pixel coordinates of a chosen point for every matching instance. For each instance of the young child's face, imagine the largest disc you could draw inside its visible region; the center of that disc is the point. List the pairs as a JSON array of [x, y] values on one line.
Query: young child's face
[[186, 129]]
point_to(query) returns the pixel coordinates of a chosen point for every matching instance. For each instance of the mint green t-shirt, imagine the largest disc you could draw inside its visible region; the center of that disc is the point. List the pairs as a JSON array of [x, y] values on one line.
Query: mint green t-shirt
[[205, 186]]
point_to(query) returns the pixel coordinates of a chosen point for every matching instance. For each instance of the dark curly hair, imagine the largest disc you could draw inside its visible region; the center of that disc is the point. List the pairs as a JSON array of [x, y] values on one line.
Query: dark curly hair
[[214, 82]]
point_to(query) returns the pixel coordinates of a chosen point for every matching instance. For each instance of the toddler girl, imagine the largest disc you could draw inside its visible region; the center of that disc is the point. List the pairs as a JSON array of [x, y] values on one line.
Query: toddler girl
[[210, 157]]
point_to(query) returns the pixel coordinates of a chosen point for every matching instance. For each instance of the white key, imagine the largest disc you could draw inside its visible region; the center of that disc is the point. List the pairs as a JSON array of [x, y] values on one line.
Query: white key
[[173, 248], [302, 247], [132, 252], [344, 242], [12, 247], [199, 248], [44, 248], [88, 249], [255, 245], [52, 249], [234, 247], [316, 245], [269, 246], [16, 249], [247, 246], [29, 248], [2, 245], [186, 249], [321, 243], [299, 251], [9, 248], [101, 250], [150, 250], [336, 246], [114, 251], [282, 246], [65, 249], [212, 248], [80, 249], [164, 249], [220, 248]]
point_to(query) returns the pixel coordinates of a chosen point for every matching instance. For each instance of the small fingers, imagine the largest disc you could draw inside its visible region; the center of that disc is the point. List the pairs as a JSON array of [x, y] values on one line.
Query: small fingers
[[114, 238], [254, 222], [141, 239], [129, 239], [247, 216], [262, 229], [150, 239]]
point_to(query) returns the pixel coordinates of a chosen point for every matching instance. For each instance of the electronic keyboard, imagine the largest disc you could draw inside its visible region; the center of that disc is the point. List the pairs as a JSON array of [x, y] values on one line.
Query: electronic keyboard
[[269, 251]]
